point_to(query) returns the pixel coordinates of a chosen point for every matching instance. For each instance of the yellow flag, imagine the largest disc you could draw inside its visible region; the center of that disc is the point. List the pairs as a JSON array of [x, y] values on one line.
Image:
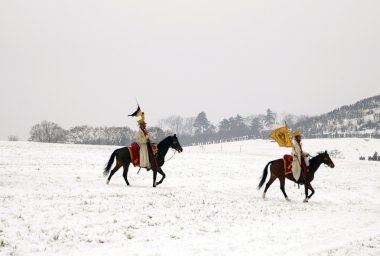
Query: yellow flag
[[281, 135]]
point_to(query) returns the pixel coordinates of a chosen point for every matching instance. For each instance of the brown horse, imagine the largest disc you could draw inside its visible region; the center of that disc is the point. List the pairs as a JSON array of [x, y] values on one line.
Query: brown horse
[[123, 158], [277, 171]]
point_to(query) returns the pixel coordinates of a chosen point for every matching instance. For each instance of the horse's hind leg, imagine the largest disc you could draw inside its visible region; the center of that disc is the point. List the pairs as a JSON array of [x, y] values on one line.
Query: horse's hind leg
[[272, 178], [118, 165], [282, 187], [125, 173], [160, 171]]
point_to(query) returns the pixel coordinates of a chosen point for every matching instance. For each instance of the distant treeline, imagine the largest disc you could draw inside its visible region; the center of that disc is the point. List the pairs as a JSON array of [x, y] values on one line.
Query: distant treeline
[[361, 119], [52, 133], [190, 130]]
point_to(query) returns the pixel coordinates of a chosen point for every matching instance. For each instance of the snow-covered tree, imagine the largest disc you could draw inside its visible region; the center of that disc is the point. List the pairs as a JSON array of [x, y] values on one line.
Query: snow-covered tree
[[47, 132], [13, 138]]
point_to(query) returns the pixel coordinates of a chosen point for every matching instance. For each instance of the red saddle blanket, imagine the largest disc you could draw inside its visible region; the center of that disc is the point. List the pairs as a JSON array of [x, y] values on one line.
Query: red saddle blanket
[[288, 159], [134, 151]]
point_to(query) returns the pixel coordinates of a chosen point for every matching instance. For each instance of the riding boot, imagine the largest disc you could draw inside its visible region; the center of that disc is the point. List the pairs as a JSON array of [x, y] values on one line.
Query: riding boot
[[301, 179]]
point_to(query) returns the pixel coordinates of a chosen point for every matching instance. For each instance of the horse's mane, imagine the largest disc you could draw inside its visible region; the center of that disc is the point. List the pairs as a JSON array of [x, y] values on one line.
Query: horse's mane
[[314, 158], [318, 154], [164, 141]]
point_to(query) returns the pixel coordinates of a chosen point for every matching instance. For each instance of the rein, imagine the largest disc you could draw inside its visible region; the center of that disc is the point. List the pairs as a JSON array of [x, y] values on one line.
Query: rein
[[175, 151], [313, 157], [159, 153]]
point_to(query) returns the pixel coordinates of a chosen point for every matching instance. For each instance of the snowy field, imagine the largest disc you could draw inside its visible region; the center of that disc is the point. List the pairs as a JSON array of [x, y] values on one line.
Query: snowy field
[[55, 201]]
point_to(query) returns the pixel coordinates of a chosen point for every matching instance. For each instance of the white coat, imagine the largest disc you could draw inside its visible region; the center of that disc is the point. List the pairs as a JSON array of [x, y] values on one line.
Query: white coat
[[142, 140], [296, 164]]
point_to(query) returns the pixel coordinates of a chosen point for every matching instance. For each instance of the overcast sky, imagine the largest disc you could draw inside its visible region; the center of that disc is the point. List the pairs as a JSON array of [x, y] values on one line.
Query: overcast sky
[[85, 62]]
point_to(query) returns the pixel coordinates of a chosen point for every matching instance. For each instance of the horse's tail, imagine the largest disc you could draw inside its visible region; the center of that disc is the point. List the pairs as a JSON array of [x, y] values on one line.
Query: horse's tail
[[110, 162], [265, 173]]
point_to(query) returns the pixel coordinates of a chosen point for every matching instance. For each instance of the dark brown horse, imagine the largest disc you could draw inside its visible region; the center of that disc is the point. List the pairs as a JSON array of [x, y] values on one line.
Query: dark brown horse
[[123, 158], [277, 171]]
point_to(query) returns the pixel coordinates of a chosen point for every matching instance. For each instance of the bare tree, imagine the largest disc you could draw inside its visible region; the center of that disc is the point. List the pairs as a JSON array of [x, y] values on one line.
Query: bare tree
[[177, 124], [188, 126], [172, 123], [289, 119], [81, 135], [157, 134], [47, 132]]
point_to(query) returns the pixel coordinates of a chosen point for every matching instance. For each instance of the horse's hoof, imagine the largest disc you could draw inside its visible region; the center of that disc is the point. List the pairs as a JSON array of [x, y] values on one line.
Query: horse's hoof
[[306, 200], [287, 199], [107, 182], [263, 195]]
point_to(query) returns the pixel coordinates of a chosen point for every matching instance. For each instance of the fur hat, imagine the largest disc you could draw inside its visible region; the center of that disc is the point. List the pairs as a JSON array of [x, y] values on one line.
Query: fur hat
[[297, 133], [141, 122]]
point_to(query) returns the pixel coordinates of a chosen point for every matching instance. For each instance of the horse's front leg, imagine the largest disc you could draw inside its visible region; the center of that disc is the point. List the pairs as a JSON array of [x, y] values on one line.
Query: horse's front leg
[[312, 190], [282, 187], [154, 177], [163, 176], [307, 184]]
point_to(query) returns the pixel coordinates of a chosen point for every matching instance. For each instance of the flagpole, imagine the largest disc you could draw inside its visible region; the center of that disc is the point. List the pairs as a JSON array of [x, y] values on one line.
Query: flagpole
[[283, 137]]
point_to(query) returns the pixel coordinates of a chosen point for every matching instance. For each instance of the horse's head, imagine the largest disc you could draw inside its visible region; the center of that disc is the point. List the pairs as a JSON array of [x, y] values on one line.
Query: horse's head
[[326, 159], [175, 144]]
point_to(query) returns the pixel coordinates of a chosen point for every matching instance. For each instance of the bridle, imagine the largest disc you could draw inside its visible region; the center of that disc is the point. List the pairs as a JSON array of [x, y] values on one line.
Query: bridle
[[175, 151], [322, 162]]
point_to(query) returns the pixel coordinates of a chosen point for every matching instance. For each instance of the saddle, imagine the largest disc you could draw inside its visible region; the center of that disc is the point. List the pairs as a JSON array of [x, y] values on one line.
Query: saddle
[[134, 151], [288, 159]]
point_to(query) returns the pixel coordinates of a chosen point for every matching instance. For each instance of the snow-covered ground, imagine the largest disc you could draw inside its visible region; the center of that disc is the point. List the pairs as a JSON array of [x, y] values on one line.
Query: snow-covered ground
[[55, 201]]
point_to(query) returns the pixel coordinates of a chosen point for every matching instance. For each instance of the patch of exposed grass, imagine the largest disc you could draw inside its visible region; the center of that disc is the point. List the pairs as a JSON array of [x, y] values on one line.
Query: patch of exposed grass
[[3, 243]]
